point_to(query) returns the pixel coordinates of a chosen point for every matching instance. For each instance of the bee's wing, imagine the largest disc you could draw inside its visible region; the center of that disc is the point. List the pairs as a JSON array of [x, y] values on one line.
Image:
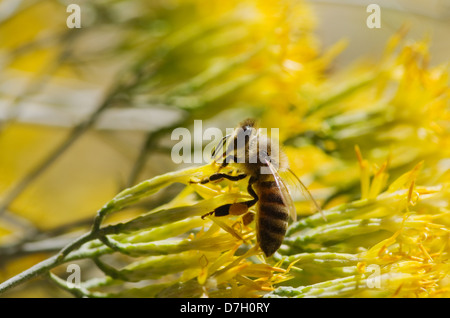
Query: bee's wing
[[304, 190], [285, 195]]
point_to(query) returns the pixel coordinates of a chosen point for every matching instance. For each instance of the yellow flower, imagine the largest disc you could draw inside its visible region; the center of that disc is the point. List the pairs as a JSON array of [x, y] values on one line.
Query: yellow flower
[[372, 143]]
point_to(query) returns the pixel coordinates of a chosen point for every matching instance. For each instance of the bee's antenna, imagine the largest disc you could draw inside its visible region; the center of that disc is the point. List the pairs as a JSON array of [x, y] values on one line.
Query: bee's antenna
[[221, 144], [305, 190]]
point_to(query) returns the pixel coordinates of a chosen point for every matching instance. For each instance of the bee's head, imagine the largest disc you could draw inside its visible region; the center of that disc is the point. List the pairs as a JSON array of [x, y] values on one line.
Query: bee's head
[[248, 122], [246, 128], [239, 139], [244, 132]]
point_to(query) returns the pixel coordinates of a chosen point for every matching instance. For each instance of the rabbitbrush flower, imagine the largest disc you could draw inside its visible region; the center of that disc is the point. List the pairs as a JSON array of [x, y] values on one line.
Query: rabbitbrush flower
[[371, 142]]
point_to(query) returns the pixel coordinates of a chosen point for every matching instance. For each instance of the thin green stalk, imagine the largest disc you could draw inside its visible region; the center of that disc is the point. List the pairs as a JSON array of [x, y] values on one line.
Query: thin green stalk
[[323, 258], [336, 231], [125, 198], [78, 291], [44, 266]]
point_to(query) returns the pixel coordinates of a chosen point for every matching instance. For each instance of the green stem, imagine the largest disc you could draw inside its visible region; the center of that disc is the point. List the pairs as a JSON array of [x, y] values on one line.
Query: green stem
[[46, 265], [123, 199]]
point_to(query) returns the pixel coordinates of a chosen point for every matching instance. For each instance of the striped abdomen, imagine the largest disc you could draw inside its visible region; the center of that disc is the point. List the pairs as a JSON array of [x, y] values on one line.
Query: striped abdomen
[[272, 216]]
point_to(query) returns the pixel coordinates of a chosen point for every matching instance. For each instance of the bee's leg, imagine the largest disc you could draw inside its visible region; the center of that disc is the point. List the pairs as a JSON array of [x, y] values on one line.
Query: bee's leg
[[248, 218], [251, 192], [227, 160], [220, 211], [236, 208], [218, 176]]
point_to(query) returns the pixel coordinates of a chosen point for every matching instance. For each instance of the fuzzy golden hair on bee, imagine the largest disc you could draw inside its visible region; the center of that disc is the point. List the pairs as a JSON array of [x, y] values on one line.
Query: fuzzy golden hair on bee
[[251, 146], [248, 122]]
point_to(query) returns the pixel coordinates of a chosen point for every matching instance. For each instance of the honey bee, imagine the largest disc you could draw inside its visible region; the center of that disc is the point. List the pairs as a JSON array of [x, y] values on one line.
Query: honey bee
[[256, 157]]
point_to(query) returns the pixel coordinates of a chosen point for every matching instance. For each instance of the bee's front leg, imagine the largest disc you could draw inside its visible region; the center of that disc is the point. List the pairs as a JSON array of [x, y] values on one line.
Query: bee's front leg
[[235, 208], [219, 176], [228, 159], [231, 208]]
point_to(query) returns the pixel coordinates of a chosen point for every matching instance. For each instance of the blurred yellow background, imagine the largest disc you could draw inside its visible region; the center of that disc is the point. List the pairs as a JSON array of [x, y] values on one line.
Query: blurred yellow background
[[53, 79]]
